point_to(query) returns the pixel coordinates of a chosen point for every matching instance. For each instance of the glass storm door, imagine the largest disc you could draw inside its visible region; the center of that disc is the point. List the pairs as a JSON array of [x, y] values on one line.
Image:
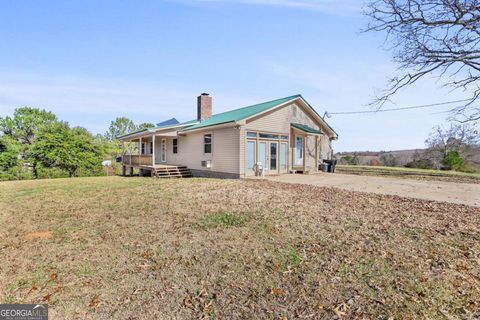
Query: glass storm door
[[273, 157], [262, 155], [163, 148]]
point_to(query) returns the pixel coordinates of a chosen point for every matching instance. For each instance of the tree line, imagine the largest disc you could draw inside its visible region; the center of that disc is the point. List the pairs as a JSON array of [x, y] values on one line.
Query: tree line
[[34, 143], [452, 147]]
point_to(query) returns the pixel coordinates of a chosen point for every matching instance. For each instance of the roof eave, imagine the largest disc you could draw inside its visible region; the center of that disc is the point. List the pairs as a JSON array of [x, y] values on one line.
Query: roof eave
[[153, 130], [226, 124], [133, 134], [313, 133]]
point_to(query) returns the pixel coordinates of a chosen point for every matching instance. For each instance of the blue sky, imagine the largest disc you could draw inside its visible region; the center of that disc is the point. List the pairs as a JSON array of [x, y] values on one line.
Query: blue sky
[[91, 61]]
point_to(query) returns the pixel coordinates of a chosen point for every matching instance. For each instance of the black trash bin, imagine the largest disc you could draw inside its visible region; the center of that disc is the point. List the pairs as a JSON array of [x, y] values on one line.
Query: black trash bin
[[331, 165], [324, 167]]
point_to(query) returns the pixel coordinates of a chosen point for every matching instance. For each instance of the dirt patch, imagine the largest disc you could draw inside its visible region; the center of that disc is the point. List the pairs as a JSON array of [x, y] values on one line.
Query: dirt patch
[[40, 235]]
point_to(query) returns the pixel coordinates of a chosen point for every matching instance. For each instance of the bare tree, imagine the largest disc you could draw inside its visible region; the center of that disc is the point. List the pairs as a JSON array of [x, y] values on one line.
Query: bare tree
[[432, 37], [457, 137]]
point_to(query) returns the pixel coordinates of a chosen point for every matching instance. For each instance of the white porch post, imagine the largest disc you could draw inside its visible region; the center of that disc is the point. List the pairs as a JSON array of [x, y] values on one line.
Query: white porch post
[[153, 150], [123, 159], [304, 153]]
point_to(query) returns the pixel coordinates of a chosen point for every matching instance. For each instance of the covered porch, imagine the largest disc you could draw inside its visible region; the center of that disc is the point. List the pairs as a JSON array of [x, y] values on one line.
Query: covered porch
[[147, 154], [306, 148]]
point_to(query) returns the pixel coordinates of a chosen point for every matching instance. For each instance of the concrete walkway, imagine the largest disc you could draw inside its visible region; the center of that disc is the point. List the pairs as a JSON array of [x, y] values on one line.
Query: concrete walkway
[[460, 193]]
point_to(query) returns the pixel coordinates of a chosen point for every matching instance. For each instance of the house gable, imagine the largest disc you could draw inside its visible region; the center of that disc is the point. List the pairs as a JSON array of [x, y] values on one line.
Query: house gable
[[280, 118]]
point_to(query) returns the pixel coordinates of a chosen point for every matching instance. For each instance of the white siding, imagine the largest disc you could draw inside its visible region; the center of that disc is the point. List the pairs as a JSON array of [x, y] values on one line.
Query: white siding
[[225, 154], [325, 148], [242, 140], [279, 120]]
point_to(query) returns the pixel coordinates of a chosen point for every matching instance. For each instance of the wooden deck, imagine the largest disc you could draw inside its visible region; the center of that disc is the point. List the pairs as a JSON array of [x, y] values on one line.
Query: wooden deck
[[158, 170]]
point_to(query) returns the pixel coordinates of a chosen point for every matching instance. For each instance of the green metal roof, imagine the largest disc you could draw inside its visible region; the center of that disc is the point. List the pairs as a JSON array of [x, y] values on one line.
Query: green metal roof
[[306, 128], [239, 114]]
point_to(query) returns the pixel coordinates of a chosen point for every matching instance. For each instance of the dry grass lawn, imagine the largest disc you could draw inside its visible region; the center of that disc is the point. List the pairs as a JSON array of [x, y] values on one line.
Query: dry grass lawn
[[141, 248]]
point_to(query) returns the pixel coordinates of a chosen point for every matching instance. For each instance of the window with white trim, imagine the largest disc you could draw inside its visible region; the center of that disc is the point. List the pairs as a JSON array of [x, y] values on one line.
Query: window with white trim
[[207, 143], [175, 146]]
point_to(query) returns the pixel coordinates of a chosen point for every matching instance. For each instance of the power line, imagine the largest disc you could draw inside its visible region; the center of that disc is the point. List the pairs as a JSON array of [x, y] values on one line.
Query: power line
[[328, 114]]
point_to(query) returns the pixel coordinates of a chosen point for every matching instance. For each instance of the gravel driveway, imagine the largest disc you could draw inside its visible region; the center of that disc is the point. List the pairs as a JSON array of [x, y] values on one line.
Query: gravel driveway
[[460, 193]]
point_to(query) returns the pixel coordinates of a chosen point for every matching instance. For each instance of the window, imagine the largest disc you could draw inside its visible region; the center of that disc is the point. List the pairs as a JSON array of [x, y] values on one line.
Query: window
[[284, 137], [251, 134], [143, 148], [175, 145], [268, 136], [151, 147], [207, 143]]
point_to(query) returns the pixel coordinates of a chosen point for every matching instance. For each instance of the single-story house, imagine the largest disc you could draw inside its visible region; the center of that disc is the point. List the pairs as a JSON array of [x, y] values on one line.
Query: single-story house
[[280, 136]]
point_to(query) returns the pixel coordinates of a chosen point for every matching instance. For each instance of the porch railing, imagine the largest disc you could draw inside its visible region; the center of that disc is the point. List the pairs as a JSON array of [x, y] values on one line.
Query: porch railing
[[137, 160]]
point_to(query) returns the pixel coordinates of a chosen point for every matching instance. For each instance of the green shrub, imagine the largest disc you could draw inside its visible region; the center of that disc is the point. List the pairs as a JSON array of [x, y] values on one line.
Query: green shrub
[[420, 164], [453, 161], [15, 173], [349, 160]]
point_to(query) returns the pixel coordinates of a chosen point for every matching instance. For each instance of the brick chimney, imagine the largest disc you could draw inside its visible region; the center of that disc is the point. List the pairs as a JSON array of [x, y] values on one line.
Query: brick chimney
[[204, 107]]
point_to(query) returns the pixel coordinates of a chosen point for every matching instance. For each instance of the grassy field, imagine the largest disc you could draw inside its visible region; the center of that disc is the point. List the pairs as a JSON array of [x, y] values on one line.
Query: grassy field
[[141, 248], [410, 173]]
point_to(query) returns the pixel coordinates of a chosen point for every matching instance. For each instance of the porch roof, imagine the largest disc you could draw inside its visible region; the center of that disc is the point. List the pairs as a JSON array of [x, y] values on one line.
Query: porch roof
[[306, 129], [166, 130]]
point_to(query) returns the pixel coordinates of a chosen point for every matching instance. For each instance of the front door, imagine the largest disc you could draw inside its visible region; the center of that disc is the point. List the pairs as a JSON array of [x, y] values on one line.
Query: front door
[[298, 160], [262, 155], [273, 158], [270, 155]]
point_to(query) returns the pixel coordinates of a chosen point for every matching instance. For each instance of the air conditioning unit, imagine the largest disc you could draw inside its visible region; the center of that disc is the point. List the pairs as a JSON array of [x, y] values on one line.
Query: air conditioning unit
[[207, 164]]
